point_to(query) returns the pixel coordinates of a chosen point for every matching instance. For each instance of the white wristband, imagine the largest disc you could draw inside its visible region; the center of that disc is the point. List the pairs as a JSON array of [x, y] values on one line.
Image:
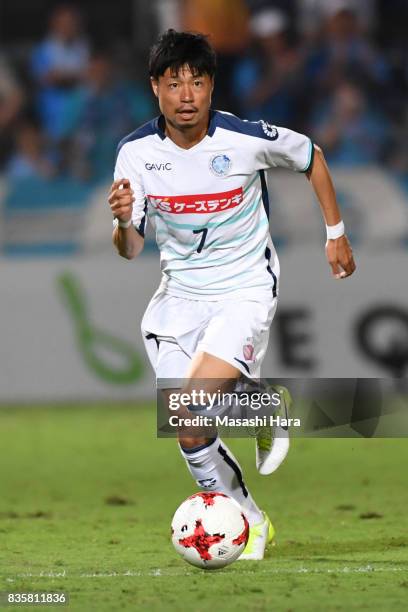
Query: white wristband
[[123, 224], [335, 231]]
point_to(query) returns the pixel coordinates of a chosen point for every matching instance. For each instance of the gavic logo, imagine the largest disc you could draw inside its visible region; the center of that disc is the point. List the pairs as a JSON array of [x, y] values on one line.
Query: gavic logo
[[192, 204], [161, 166]]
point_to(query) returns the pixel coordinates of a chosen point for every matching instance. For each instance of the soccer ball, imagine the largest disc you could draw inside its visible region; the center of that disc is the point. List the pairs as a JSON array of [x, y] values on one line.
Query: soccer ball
[[209, 530]]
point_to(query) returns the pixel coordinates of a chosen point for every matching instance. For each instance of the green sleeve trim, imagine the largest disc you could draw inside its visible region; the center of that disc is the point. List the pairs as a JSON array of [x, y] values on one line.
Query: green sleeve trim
[[311, 157]]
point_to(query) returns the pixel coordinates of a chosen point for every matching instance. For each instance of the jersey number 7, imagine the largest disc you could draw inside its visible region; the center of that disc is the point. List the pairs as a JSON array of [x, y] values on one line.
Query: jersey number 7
[[204, 231]]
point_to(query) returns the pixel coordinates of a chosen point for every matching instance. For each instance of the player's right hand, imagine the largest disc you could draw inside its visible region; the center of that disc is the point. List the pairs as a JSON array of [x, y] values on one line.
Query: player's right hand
[[121, 200]]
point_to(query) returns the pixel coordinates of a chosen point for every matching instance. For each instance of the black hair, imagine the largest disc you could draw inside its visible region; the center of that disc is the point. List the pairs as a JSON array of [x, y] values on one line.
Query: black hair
[[176, 49]]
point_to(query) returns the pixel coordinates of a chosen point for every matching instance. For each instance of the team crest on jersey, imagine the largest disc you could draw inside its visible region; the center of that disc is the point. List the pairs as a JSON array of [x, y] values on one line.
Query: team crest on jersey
[[220, 165], [270, 130]]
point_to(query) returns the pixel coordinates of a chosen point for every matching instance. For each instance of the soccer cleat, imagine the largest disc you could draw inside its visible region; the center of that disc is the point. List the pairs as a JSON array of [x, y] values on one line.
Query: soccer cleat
[[260, 536], [272, 442]]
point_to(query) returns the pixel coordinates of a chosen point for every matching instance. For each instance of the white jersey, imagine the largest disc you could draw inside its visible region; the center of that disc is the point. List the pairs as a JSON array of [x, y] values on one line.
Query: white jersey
[[209, 204]]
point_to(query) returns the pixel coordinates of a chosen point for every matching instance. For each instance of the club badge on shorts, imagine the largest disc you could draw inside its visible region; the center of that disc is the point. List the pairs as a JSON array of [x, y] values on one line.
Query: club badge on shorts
[[220, 165], [248, 351]]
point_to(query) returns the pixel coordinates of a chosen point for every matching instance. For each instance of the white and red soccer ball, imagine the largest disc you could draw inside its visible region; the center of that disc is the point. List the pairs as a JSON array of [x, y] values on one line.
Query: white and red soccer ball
[[209, 530]]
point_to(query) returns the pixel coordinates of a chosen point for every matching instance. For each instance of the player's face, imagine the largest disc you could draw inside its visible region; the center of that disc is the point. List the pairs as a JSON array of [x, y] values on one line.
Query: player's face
[[185, 98]]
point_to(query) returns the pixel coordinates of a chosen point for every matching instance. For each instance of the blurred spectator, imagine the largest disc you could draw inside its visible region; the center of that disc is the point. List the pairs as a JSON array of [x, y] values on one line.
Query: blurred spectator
[[267, 82], [30, 159], [392, 34], [311, 13], [168, 14], [11, 99], [286, 6], [226, 23], [349, 132], [344, 51], [110, 107], [58, 67]]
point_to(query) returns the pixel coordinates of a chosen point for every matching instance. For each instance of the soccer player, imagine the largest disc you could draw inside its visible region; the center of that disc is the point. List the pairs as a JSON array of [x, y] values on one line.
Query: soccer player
[[198, 176]]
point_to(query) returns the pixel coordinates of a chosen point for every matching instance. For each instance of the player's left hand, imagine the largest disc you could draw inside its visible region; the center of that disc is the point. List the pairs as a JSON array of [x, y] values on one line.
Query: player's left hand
[[340, 257]]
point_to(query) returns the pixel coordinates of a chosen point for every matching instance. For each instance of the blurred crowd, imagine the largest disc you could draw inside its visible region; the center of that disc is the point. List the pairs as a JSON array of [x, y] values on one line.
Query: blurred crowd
[[328, 68]]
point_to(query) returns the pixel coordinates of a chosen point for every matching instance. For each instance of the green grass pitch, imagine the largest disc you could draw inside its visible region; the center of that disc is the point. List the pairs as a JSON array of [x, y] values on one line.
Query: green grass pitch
[[87, 494]]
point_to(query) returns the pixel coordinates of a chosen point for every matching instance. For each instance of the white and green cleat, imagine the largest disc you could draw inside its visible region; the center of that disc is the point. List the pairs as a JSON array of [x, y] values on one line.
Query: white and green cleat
[[272, 442], [260, 536]]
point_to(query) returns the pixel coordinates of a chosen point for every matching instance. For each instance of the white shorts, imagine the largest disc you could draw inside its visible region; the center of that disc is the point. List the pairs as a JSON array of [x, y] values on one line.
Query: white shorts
[[236, 331]]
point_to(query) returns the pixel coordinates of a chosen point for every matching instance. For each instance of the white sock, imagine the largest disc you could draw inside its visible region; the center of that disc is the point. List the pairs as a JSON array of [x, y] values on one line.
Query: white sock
[[215, 468]]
